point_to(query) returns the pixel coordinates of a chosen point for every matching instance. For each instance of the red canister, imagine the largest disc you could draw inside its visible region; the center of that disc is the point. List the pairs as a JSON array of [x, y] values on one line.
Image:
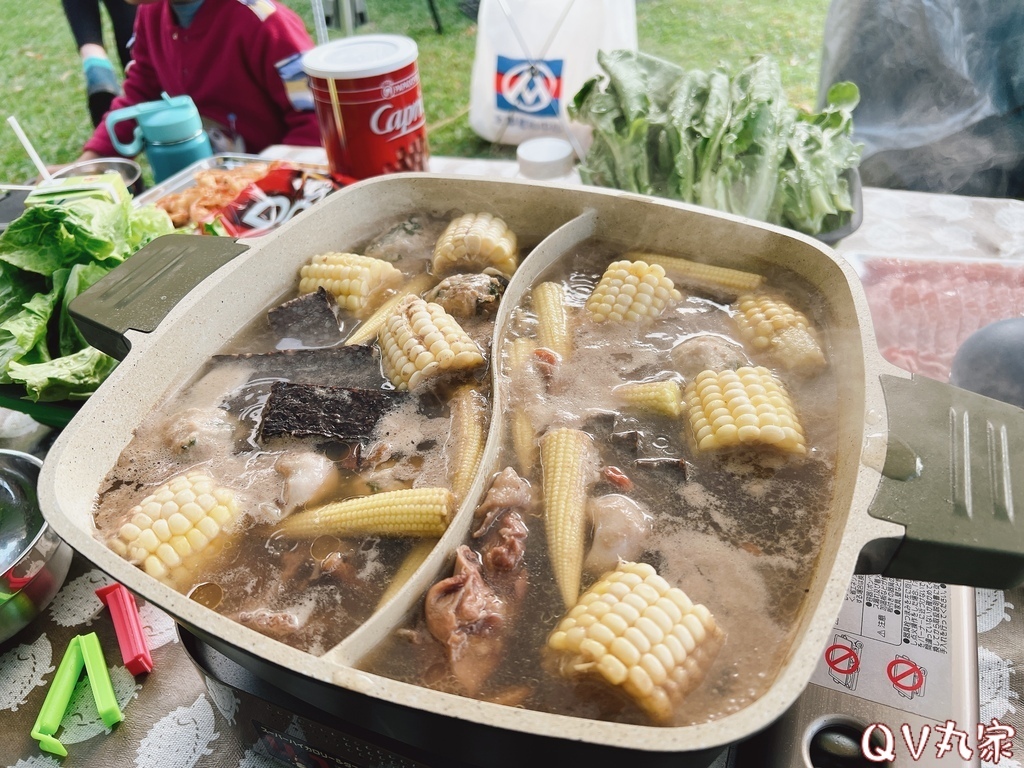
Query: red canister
[[366, 90]]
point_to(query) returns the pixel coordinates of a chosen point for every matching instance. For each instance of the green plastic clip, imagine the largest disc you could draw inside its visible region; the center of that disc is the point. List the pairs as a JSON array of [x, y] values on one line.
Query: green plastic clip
[[99, 679], [57, 698], [83, 651]]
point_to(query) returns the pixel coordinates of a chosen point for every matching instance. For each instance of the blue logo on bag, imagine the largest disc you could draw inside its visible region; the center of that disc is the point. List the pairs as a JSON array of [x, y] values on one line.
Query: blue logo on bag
[[533, 87]]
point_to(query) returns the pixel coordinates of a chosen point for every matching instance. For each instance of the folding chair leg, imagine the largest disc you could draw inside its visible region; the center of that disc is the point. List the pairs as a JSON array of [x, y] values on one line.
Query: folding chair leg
[[434, 14]]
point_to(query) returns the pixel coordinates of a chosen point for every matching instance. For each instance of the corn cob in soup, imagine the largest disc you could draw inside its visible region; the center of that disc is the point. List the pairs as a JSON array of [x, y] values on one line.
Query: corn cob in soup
[[331, 441], [714, 537]]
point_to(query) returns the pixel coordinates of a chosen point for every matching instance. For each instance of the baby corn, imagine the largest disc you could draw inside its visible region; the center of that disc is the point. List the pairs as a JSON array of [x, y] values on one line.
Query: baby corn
[[768, 324], [552, 318], [179, 519], [368, 329], [663, 397], [635, 631], [694, 272], [422, 512], [524, 437], [419, 340], [474, 242], [742, 407], [629, 291], [353, 279], [468, 433], [413, 560], [567, 459]]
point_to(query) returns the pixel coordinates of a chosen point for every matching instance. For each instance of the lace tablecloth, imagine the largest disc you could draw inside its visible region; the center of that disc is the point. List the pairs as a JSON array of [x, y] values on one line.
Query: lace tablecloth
[[175, 718]]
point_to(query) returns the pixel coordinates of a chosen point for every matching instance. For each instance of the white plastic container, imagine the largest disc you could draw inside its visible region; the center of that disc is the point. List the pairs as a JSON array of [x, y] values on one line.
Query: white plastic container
[[547, 158]]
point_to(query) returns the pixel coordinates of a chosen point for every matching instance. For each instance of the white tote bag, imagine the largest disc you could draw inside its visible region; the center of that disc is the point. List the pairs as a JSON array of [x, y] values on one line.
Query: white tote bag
[[533, 56]]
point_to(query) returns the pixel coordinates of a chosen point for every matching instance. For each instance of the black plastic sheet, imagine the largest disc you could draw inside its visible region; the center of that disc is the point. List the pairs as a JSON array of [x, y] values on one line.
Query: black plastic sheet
[[942, 91]]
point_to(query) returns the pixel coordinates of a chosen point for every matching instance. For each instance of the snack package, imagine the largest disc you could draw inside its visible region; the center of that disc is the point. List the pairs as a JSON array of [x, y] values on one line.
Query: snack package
[[271, 201]]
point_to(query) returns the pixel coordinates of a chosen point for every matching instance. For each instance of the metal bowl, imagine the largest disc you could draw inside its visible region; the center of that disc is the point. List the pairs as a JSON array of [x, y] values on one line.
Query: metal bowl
[[34, 561], [130, 171]]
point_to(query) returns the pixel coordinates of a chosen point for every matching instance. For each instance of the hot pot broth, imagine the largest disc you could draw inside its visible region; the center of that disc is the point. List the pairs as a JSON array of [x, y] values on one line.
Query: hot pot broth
[[308, 592], [739, 531]]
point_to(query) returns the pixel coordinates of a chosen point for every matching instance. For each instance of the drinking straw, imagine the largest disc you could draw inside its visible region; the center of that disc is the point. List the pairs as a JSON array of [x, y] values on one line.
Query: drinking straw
[[319, 22], [13, 121]]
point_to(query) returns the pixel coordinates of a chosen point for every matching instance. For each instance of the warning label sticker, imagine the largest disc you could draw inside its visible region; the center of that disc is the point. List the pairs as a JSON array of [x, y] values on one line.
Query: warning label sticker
[[890, 645]]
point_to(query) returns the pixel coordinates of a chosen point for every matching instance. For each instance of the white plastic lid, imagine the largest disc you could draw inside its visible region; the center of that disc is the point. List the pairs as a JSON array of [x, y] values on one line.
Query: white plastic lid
[[360, 56], [545, 158]]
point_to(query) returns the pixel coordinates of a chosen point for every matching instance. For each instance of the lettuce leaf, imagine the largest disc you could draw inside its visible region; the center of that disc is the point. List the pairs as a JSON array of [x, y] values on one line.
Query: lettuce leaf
[[48, 256], [71, 377], [724, 140]]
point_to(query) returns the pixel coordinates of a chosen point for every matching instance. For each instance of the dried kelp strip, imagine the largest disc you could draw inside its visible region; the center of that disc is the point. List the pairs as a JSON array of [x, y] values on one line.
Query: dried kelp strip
[[356, 366], [339, 413], [312, 318]]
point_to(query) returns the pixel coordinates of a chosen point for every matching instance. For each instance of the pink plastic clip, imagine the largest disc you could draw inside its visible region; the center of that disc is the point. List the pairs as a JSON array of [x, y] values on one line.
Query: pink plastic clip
[[131, 638]]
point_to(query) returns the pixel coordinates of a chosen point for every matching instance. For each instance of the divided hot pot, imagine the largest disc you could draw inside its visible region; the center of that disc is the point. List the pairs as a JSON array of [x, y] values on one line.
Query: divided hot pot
[[923, 483]]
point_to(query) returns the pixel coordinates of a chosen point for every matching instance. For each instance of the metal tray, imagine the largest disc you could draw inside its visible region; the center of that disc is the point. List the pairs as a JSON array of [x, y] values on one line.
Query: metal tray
[[186, 177]]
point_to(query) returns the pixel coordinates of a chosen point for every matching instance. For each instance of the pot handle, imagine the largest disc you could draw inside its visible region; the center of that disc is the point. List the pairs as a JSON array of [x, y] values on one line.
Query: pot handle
[[949, 479], [138, 293]]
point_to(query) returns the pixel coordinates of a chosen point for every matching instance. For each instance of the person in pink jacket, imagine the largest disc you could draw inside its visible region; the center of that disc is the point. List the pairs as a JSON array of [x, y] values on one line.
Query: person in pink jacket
[[239, 60]]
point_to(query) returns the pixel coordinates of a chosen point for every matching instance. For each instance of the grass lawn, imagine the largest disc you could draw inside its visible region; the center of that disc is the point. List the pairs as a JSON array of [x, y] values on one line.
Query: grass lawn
[[42, 83]]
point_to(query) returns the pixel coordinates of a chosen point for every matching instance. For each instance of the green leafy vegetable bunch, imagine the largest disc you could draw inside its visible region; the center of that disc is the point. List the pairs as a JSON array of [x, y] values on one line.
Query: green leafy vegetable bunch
[[49, 255], [721, 140]]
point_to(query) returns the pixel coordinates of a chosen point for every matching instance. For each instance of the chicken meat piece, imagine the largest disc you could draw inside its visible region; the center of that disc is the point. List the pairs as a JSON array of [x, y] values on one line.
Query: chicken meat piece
[[707, 352], [508, 491], [465, 615], [621, 529], [504, 547], [503, 551], [305, 474], [275, 624], [199, 433], [464, 296]]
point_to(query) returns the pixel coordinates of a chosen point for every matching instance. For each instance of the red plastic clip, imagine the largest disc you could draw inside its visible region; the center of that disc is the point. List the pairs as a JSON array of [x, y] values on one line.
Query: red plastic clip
[[130, 636]]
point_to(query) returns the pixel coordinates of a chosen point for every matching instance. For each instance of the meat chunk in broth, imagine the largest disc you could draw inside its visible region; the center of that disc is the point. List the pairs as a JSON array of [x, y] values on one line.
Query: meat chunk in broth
[[200, 433], [508, 491], [468, 612], [305, 474], [707, 352], [621, 529], [465, 615], [465, 296]]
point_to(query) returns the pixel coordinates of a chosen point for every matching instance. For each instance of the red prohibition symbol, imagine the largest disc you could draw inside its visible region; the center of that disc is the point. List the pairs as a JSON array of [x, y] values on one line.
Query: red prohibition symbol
[[900, 669], [842, 659]]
